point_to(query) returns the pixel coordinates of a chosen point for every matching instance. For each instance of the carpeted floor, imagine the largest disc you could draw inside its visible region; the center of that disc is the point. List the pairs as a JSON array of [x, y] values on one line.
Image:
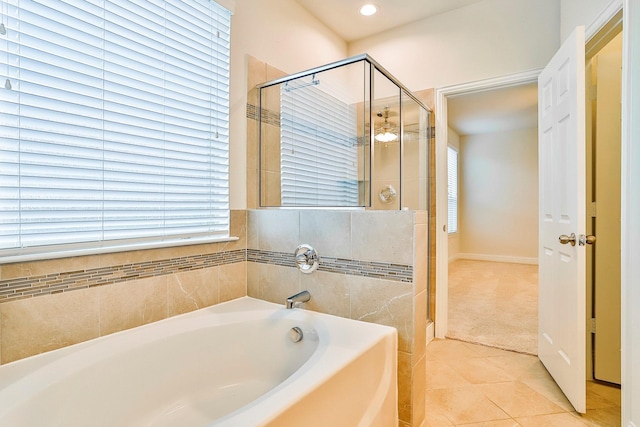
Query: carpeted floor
[[494, 304]]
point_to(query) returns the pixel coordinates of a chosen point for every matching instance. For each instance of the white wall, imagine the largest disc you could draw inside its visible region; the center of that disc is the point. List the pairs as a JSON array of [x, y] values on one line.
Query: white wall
[[487, 39], [284, 35], [578, 12], [499, 196]]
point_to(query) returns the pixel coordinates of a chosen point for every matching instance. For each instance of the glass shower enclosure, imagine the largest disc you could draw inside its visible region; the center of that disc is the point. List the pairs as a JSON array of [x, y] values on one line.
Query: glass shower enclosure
[[346, 134]]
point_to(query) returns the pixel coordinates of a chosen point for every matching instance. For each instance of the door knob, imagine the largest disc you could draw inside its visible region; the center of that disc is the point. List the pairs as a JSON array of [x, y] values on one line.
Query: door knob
[[564, 239], [586, 240]]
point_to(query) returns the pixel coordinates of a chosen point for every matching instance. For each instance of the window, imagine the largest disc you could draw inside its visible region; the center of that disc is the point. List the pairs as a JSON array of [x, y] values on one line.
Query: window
[[452, 191], [114, 120]]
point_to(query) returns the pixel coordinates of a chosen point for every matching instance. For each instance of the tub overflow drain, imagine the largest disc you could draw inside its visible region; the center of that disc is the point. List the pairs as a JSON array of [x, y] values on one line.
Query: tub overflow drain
[[295, 334]]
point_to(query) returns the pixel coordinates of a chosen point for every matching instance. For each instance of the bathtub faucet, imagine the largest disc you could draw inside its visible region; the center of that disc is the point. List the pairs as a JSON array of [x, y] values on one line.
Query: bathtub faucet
[[303, 296]]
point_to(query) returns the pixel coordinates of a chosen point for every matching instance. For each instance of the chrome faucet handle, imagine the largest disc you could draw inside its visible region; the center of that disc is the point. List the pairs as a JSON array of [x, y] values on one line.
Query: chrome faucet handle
[[306, 259]]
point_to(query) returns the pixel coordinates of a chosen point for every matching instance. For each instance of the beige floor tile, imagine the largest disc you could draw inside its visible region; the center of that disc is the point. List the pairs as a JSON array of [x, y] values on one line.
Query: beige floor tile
[[479, 370], [435, 418], [519, 400], [564, 419], [528, 397], [498, 423], [547, 387], [519, 365], [464, 405], [449, 349], [441, 375], [486, 351]]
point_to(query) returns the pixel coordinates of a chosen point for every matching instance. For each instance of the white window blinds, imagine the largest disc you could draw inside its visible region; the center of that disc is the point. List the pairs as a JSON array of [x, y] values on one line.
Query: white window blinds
[[319, 153], [452, 184], [114, 118]]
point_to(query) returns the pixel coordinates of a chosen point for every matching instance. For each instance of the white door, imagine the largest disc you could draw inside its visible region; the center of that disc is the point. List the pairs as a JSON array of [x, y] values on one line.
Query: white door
[[562, 289]]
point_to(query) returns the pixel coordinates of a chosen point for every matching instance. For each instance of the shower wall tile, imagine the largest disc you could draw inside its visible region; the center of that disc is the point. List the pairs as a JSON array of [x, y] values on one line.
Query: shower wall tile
[[252, 164], [256, 74], [126, 305], [272, 283], [382, 236], [192, 290], [421, 258], [270, 149], [387, 161], [37, 268], [329, 232], [274, 73], [270, 182], [418, 390], [378, 185], [232, 281], [278, 230], [420, 324], [405, 387], [330, 292], [35, 325], [386, 303]]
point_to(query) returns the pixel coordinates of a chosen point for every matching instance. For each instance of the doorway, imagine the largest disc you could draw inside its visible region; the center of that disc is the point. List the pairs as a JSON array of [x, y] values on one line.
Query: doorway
[[493, 274]]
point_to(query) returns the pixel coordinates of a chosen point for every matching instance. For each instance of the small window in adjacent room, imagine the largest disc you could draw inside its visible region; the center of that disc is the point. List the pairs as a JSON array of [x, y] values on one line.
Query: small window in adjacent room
[[114, 124], [452, 193]]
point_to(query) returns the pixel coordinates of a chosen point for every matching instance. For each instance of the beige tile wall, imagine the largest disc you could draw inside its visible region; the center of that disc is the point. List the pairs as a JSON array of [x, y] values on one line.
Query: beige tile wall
[[394, 237], [37, 324]]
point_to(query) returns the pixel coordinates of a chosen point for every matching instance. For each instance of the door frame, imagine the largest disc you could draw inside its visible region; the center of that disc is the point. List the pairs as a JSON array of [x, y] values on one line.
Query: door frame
[[442, 134], [630, 225]]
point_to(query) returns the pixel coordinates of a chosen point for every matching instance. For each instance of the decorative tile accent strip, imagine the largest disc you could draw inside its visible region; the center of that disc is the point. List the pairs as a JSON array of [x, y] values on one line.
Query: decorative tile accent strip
[[27, 287], [47, 284], [268, 117], [284, 259], [377, 270]]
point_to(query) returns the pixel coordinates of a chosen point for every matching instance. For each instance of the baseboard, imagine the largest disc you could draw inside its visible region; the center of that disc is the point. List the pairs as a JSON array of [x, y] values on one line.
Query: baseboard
[[498, 258], [454, 258]]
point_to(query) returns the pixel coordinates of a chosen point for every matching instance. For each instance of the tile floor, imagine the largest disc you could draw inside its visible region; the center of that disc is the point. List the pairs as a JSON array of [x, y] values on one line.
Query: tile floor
[[473, 385]]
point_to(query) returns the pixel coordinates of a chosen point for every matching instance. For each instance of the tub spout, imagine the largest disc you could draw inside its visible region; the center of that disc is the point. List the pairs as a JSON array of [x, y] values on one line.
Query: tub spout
[[303, 296]]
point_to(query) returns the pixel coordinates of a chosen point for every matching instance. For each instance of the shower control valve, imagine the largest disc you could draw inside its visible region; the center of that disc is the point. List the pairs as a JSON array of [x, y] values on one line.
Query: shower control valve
[[306, 259]]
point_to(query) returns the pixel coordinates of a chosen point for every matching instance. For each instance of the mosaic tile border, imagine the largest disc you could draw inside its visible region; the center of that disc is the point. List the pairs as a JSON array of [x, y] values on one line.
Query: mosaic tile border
[[373, 269], [47, 284], [268, 117]]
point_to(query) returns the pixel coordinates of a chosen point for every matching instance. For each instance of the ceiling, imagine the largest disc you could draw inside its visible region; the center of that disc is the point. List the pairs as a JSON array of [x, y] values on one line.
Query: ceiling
[[344, 18], [504, 109], [480, 112]]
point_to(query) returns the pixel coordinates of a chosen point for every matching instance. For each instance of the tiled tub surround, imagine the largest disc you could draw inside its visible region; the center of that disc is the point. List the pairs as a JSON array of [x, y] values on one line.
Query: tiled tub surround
[[67, 281], [351, 244], [54, 303], [370, 270]]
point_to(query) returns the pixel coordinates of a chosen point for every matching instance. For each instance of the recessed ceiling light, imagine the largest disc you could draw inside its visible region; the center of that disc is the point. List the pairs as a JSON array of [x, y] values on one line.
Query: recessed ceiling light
[[368, 9]]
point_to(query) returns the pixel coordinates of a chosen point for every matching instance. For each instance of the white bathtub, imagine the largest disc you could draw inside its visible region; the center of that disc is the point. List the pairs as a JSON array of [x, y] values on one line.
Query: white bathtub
[[228, 365]]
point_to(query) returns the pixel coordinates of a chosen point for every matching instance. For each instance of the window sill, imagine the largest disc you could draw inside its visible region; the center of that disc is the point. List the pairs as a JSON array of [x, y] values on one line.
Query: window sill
[[97, 250]]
